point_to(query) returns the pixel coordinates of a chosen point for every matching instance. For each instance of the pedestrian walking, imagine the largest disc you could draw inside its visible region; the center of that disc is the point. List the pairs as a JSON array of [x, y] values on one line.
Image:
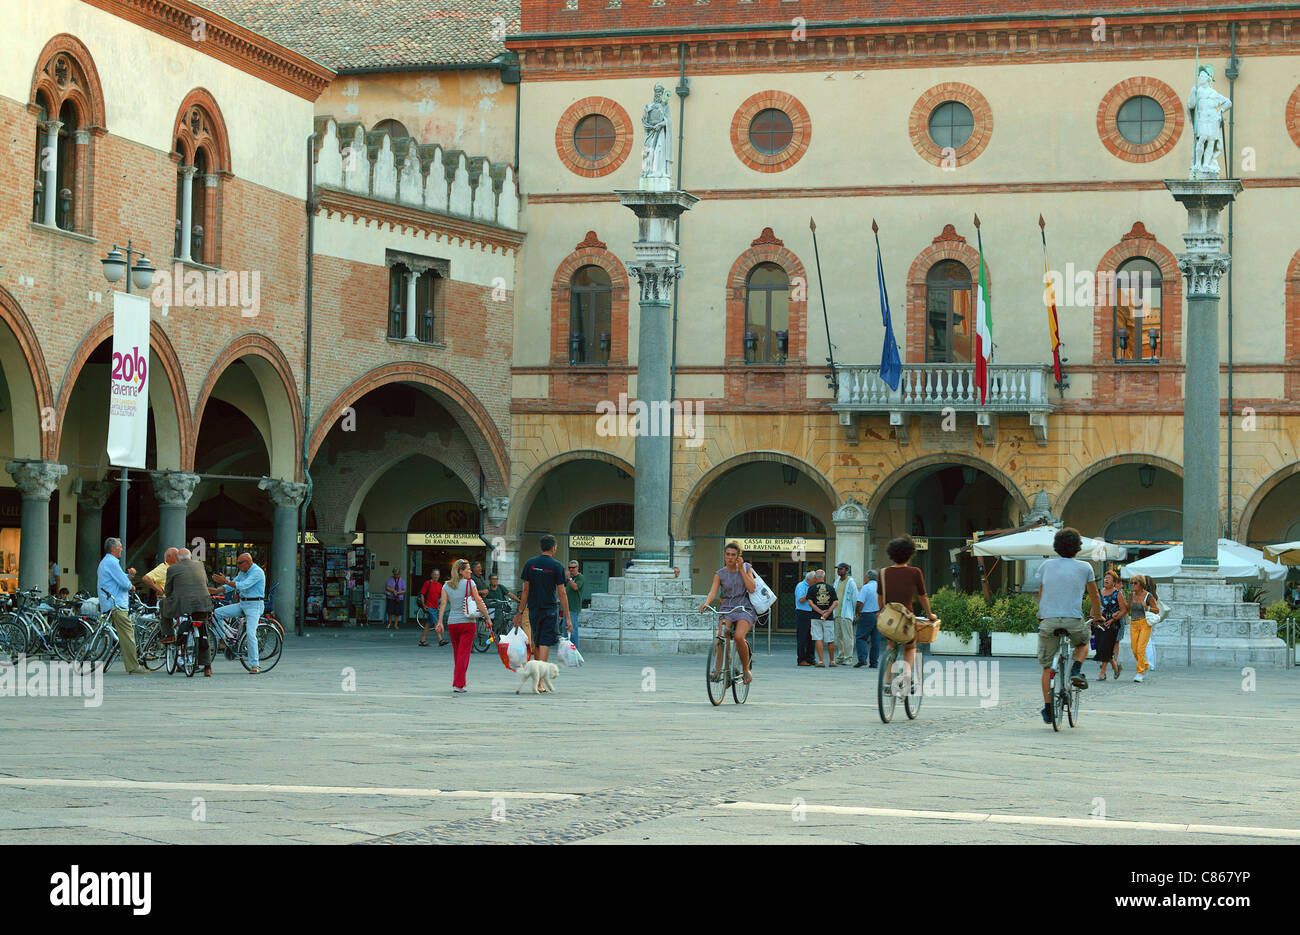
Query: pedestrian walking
[[803, 619], [56, 575], [1139, 631], [574, 581], [453, 607], [430, 597], [822, 599], [846, 595], [250, 588], [867, 636], [395, 588], [546, 598], [1114, 607], [114, 597]]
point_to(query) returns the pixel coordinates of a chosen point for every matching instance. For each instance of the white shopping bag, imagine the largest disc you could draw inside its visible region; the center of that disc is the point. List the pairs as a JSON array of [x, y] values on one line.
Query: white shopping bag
[[569, 654], [1151, 655], [516, 644]]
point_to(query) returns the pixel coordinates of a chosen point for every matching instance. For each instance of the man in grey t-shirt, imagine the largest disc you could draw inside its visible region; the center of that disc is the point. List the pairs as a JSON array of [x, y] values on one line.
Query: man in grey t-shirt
[[1061, 583]]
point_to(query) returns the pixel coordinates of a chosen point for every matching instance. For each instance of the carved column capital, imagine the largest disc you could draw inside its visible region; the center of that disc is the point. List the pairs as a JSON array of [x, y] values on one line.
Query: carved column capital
[[36, 480], [497, 509], [174, 488], [94, 494], [283, 493]]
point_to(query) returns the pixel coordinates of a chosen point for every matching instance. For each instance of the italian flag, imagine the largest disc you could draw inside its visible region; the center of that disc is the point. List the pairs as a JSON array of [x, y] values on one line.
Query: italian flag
[[983, 332]]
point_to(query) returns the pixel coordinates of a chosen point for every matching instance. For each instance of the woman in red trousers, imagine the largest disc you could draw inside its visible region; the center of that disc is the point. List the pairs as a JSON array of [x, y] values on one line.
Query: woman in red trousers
[[452, 607]]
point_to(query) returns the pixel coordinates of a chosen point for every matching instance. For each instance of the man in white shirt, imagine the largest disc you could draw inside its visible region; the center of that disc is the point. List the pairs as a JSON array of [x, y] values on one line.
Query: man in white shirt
[[846, 589], [867, 607]]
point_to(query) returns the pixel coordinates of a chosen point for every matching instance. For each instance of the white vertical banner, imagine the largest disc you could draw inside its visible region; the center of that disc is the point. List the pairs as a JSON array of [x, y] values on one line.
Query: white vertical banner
[[128, 399]]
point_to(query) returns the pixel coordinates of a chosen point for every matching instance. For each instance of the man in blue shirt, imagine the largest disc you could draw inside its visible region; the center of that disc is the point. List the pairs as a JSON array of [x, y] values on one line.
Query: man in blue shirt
[[115, 600], [251, 585], [803, 619], [868, 637]]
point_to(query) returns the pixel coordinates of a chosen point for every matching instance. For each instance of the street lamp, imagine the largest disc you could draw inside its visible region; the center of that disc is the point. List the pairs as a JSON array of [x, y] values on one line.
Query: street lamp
[[115, 266], [1146, 475]]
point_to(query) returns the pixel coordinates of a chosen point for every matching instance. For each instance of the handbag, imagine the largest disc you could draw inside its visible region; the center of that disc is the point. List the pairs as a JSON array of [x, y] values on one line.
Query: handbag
[[895, 622], [762, 598], [471, 605]]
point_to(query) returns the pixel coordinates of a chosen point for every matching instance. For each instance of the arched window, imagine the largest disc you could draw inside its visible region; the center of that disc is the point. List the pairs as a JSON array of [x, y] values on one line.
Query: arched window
[[949, 305], [394, 128], [68, 103], [202, 159], [424, 324], [590, 317], [767, 315], [397, 274], [1139, 325]]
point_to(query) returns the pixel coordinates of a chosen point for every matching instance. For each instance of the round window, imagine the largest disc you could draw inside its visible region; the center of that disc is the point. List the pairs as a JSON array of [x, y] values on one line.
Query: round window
[[951, 124], [593, 137], [1140, 119], [771, 131]]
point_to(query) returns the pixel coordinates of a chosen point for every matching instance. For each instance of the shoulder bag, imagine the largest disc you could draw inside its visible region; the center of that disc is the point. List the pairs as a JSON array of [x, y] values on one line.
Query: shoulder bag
[[471, 605], [895, 622], [761, 598]]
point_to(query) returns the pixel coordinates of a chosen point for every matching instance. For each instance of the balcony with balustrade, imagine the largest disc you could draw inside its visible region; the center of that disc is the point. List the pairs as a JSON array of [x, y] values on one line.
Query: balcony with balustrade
[[935, 389]]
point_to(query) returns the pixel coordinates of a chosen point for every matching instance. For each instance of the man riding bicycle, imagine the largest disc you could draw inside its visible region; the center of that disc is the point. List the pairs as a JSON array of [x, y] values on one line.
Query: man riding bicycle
[[1061, 583], [736, 581]]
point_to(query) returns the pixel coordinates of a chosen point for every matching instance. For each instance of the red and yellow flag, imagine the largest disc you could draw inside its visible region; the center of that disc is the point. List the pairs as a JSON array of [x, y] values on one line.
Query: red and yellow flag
[[1049, 299]]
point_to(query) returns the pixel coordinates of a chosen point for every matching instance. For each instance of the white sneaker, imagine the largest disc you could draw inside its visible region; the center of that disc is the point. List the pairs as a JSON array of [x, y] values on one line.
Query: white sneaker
[[1138, 677]]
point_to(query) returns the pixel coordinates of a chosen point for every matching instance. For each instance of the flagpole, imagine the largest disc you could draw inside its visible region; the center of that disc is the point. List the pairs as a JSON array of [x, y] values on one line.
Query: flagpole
[[1061, 383], [821, 286]]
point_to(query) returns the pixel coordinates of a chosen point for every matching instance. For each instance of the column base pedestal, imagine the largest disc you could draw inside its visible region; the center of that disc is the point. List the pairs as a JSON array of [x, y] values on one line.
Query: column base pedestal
[[1223, 631], [647, 612]]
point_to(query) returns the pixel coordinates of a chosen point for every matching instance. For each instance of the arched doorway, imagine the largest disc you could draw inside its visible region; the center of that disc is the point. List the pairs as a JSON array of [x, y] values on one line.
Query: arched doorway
[[1135, 503], [782, 543], [941, 504], [600, 540]]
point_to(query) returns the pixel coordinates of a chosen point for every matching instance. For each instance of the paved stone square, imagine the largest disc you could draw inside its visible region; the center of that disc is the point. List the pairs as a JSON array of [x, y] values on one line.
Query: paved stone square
[[292, 757]]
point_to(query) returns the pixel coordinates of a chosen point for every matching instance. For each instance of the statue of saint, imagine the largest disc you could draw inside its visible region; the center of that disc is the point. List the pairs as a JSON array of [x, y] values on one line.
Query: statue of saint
[[657, 152], [1206, 107]]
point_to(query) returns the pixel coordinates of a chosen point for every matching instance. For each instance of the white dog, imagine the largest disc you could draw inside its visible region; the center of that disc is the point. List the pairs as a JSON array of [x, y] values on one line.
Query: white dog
[[534, 671]]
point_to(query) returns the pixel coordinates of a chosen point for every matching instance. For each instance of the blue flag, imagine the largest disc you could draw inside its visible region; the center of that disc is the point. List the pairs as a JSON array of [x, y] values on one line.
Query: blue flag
[[891, 368]]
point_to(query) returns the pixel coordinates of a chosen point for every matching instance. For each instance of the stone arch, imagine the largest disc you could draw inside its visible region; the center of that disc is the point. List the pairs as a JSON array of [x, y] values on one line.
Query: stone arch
[[686, 515], [29, 441], [175, 428], [87, 96], [949, 245], [464, 407], [1105, 464], [1257, 498], [1139, 242], [566, 528], [275, 378], [944, 459], [216, 130], [461, 463], [766, 248], [522, 500]]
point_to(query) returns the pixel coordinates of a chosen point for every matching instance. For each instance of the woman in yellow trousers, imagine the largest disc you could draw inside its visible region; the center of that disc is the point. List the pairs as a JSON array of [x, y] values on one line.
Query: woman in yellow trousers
[[1139, 631]]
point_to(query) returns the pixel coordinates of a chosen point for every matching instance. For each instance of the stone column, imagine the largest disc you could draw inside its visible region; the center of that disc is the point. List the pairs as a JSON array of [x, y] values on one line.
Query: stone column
[[35, 480], [286, 497], [505, 549], [90, 532], [851, 538], [173, 490], [411, 277], [656, 270], [187, 212], [684, 557], [50, 161]]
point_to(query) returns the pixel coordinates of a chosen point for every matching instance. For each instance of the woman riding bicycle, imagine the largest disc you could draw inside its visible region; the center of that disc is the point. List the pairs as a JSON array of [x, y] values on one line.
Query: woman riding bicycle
[[901, 583], [736, 581]]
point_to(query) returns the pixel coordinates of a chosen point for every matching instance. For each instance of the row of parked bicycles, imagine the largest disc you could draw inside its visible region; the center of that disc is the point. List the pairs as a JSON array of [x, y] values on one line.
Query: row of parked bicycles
[[75, 630]]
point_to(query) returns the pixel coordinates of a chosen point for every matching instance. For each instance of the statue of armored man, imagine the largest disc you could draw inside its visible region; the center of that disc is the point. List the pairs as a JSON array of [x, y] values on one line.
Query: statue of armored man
[[1206, 107], [657, 151]]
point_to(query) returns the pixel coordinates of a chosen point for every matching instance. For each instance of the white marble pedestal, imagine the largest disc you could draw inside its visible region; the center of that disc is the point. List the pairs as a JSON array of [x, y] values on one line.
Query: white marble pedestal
[[1224, 631], [647, 612]]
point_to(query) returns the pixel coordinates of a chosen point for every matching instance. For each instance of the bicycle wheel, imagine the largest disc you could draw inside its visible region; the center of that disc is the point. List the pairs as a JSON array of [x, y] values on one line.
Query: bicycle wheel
[[171, 659], [715, 675], [269, 646], [481, 638], [1072, 706], [912, 700], [13, 639], [884, 684], [153, 653], [1058, 696], [98, 647], [739, 690]]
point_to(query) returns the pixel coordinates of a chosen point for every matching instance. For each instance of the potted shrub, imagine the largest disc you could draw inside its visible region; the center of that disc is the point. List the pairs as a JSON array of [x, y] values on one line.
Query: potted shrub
[[1254, 594], [1280, 612], [957, 635], [1015, 625]]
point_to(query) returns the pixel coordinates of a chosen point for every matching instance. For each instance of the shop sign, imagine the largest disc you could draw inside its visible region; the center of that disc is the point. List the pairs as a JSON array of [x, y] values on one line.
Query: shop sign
[[310, 539], [444, 538], [922, 543], [602, 542], [787, 544]]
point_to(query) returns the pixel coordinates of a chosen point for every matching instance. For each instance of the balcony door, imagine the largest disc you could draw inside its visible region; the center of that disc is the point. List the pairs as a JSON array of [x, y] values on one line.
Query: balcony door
[[949, 314]]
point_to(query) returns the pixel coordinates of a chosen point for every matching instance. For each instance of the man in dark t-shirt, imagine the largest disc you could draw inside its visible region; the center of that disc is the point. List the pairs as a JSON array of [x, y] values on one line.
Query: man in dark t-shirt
[[543, 578]]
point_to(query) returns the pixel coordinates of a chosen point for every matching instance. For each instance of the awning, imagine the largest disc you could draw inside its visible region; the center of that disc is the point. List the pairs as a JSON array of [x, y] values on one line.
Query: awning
[[1235, 561], [1038, 542]]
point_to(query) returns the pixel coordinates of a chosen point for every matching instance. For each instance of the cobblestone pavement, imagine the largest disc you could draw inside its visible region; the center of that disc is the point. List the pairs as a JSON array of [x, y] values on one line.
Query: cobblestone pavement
[[356, 738]]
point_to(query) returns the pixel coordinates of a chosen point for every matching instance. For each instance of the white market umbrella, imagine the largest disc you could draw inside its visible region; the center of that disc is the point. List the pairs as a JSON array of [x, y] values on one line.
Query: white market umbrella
[[1288, 553], [1038, 543], [1235, 561]]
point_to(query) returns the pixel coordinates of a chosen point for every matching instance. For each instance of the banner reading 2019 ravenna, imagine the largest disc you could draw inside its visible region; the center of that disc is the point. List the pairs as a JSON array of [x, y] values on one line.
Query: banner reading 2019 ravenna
[[128, 399]]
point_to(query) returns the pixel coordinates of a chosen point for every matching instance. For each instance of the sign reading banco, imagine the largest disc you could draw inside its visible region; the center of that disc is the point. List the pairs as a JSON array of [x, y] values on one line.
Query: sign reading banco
[[602, 542]]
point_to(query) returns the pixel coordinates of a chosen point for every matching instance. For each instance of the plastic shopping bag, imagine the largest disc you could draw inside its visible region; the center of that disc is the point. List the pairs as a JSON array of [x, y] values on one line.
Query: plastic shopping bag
[[514, 649], [1151, 655], [569, 654]]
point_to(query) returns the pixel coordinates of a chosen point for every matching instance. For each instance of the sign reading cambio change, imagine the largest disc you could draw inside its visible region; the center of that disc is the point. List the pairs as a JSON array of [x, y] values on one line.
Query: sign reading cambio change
[[128, 394]]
